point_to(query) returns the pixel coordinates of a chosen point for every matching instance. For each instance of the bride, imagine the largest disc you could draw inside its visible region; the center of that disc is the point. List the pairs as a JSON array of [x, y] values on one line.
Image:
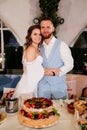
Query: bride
[[32, 64]]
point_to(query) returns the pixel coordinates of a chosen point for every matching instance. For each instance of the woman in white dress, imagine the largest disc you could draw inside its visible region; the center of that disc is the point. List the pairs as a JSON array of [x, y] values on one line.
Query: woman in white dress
[[32, 64]]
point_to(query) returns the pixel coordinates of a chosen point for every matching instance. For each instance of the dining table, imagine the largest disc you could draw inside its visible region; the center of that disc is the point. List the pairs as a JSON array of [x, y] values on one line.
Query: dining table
[[66, 120]]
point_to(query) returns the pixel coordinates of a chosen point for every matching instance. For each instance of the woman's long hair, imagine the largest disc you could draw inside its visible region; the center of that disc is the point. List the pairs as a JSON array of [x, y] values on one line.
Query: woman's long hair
[[28, 37]]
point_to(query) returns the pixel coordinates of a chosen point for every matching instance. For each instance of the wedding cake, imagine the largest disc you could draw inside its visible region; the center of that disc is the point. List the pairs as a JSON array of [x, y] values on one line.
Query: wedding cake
[[38, 113]]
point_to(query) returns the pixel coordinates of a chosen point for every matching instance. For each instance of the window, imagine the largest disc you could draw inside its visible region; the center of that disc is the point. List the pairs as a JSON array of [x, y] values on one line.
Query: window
[[79, 52], [2, 61], [6, 39], [82, 40]]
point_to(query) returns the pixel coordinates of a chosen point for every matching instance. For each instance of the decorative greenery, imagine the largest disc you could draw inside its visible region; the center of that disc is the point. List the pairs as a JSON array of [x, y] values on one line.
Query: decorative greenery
[[49, 8]]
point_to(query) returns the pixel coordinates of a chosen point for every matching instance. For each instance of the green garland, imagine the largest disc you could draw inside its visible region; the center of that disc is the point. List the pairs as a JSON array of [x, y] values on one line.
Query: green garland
[[49, 8]]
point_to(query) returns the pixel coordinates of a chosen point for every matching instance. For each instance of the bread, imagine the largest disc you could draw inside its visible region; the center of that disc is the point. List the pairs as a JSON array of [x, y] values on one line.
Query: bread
[[80, 105], [3, 116]]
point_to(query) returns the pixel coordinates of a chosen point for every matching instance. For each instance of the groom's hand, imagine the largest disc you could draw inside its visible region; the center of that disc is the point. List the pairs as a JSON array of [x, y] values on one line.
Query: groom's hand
[[52, 71]]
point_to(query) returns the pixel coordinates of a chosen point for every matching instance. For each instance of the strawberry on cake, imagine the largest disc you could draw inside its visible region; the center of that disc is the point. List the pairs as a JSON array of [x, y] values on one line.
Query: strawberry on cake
[[38, 113]]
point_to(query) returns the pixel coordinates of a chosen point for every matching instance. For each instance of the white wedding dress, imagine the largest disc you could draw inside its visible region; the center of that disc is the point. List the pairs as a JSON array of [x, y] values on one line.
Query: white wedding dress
[[33, 72]]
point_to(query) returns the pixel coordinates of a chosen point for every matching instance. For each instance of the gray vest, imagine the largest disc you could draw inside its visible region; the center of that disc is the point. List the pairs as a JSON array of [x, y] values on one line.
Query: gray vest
[[54, 61], [55, 84]]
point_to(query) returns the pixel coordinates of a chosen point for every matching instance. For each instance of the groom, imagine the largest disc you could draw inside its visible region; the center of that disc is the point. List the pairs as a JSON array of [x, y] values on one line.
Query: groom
[[57, 61]]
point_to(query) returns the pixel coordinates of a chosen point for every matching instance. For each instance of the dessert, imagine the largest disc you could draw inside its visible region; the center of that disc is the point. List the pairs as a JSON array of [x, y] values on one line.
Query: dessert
[[83, 121], [81, 113], [38, 113], [3, 116], [80, 106], [70, 107]]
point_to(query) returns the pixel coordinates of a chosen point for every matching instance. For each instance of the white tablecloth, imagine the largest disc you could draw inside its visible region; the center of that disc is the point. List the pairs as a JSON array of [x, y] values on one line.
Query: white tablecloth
[[66, 120]]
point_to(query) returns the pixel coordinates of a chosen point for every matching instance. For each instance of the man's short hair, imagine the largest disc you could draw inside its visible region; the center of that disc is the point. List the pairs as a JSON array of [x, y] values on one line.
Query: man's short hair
[[46, 18]]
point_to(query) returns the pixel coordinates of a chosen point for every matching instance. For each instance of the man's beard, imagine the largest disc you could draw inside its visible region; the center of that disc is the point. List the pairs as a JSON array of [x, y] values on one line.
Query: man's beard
[[47, 36]]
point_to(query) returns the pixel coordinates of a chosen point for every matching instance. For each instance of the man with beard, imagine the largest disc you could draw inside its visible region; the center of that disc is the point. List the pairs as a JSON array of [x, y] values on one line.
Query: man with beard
[[57, 61]]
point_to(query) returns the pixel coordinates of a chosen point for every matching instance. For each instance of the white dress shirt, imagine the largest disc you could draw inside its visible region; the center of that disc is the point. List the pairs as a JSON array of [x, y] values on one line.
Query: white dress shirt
[[65, 52]]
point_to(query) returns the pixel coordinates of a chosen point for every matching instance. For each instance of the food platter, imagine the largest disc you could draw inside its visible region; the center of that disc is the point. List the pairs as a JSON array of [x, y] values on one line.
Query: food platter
[[3, 117]]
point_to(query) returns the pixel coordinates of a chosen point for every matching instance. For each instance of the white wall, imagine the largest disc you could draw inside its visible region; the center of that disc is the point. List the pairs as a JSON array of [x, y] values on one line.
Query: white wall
[[75, 14], [19, 15]]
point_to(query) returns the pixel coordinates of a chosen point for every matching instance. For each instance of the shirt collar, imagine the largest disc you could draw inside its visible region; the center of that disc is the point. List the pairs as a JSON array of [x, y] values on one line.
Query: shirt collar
[[52, 41]]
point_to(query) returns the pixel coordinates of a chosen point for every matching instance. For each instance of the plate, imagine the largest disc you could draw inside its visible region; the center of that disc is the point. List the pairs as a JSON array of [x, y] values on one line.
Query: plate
[[3, 117]]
